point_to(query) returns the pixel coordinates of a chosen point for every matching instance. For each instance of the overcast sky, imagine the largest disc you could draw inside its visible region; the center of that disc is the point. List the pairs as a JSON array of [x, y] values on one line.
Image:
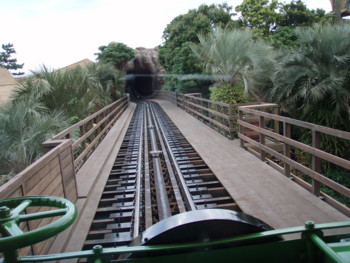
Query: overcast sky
[[60, 32]]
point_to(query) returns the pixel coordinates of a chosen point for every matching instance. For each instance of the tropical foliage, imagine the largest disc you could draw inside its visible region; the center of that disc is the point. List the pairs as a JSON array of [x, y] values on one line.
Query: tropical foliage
[[24, 125], [235, 57], [312, 83], [78, 91], [47, 103]]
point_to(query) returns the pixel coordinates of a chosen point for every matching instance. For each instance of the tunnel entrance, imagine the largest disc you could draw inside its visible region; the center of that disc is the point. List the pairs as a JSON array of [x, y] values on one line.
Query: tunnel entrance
[[143, 74], [140, 84]]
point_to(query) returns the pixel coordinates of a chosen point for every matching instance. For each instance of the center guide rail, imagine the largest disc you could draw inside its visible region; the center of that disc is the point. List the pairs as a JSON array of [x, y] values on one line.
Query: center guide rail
[[311, 247]]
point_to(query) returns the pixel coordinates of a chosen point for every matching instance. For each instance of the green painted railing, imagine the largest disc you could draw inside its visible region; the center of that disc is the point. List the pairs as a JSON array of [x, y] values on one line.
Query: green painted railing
[[311, 247]]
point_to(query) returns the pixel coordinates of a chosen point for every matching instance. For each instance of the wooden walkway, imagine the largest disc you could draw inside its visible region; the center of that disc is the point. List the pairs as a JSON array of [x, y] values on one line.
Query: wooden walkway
[[258, 189]]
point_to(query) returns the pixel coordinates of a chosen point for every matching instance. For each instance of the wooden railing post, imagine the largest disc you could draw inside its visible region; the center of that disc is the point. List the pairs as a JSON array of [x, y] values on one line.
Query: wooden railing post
[[262, 138], [286, 147], [276, 123], [316, 162], [82, 133], [231, 119], [240, 127]]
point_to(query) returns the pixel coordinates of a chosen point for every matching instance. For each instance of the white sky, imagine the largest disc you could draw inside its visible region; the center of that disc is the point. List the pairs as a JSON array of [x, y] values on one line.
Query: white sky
[[61, 32]]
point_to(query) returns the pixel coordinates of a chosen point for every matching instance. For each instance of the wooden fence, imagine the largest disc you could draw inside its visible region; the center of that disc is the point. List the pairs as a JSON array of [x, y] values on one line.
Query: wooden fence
[[54, 173], [88, 133], [300, 161], [220, 116]]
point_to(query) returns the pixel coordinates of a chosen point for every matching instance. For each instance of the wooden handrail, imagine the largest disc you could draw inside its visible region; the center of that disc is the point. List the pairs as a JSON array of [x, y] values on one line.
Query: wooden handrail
[[303, 124], [278, 144], [87, 133], [218, 115]]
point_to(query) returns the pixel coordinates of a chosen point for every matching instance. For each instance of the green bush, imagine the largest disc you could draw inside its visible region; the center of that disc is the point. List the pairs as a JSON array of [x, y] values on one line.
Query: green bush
[[229, 93]]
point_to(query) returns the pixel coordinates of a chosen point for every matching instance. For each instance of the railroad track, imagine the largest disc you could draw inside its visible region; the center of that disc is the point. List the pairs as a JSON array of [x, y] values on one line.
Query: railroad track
[[156, 174]]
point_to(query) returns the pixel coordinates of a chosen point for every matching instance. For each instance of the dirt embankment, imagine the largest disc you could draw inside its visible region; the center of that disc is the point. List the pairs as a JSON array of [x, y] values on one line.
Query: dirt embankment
[[7, 84]]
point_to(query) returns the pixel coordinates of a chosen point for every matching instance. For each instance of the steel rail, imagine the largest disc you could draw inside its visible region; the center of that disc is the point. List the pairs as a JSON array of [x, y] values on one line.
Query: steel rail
[[147, 209], [168, 161], [184, 189], [161, 192], [136, 218]]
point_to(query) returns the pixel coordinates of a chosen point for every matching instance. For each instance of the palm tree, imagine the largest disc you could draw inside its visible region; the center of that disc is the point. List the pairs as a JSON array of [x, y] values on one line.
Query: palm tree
[[234, 57], [24, 125], [313, 83]]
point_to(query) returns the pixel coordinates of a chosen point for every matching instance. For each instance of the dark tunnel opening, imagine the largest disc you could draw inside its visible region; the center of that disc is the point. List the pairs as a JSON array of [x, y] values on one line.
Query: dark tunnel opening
[[140, 84]]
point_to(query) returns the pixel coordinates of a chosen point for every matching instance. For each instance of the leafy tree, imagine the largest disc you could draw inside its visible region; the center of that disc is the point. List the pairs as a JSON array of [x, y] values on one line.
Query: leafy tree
[[7, 62], [275, 21], [259, 15], [284, 37], [296, 13], [116, 53], [235, 57], [291, 15], [175, 54]]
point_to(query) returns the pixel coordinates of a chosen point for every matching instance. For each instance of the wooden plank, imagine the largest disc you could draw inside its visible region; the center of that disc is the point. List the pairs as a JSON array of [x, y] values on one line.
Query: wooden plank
[[36, 179], [24, 251], [66, 152], [46, 181], [260, 106], [69, 182], [44, 247], [17, 192], [66, 161], [54, 188]]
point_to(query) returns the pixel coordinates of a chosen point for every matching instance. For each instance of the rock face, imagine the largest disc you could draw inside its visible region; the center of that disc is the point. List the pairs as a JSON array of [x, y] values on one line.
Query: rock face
[[143, 73]]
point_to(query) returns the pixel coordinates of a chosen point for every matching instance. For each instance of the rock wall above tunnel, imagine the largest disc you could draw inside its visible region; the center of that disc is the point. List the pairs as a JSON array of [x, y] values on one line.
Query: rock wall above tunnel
[[143, 73]]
